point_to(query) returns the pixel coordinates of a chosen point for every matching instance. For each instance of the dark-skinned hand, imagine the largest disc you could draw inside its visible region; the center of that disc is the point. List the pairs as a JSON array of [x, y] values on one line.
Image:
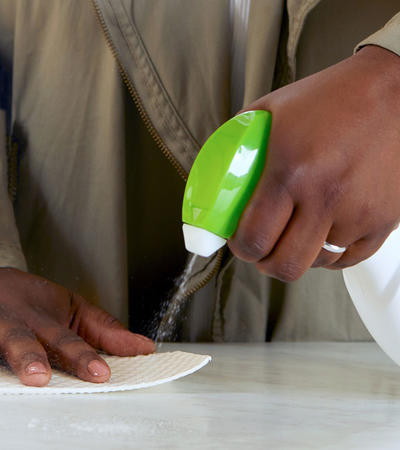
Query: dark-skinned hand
[[332, 172], [43, 324]]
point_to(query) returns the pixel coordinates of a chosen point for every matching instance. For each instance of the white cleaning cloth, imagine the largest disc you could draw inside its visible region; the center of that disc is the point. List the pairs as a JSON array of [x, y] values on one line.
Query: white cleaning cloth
[[127, 373]]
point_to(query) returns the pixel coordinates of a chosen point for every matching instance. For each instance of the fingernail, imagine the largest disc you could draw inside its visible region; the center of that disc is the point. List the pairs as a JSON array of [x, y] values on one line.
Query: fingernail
[[35, 368], [97, 368]]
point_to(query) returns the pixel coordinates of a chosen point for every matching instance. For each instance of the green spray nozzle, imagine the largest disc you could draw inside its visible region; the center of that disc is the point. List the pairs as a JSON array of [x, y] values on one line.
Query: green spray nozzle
[[222, 180]]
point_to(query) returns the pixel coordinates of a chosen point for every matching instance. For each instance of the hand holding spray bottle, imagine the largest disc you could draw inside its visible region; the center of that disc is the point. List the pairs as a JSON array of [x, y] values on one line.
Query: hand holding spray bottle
[[221, 182]]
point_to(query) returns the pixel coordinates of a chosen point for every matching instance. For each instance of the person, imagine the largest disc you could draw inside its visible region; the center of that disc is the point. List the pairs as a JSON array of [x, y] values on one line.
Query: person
[[96, 164]]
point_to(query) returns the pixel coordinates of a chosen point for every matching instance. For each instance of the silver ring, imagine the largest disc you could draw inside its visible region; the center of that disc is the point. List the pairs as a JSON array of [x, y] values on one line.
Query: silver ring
[[333, 248]]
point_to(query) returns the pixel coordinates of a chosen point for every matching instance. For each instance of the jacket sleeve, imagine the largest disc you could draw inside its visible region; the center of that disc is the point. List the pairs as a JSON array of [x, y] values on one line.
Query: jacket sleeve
[[387, 37], [10, 248]]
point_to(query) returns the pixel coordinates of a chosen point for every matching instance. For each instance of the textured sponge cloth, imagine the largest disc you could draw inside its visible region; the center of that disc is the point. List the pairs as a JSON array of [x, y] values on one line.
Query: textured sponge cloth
[[127, 373]]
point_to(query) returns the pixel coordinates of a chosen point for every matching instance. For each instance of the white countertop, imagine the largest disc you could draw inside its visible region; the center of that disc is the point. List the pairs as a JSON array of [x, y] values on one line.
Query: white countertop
[[252, 396]]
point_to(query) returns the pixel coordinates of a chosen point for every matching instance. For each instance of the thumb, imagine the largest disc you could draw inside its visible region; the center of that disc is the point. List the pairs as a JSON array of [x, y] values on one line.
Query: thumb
[[105, 332]]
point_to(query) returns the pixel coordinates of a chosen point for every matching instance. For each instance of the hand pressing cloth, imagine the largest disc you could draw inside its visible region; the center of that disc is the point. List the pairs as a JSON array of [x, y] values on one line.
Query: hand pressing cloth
[[127, 373]]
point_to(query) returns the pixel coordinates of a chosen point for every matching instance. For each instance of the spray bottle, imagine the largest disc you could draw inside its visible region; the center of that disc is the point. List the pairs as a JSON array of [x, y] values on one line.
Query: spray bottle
[[221, 182]]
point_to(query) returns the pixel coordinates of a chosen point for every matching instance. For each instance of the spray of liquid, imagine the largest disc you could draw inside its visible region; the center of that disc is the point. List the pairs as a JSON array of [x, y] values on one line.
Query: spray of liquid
[[174, 304]]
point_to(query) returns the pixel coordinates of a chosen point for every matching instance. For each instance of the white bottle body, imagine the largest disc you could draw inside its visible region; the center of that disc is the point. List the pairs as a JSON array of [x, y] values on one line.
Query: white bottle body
[[374, 286]]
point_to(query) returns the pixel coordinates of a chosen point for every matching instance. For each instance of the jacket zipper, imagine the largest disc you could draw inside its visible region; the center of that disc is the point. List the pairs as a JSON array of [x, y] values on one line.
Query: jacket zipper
[[153, 132], [135, 96]]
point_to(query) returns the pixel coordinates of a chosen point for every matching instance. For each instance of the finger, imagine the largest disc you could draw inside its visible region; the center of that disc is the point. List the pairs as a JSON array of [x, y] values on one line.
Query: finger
[[326, 258], [359, 251], [69, 352], [298, 247], [262, 222], [23, 352], [106, 333]]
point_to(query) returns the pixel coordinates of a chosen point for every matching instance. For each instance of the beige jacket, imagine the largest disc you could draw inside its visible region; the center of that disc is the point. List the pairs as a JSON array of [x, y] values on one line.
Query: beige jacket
[[179, 84]]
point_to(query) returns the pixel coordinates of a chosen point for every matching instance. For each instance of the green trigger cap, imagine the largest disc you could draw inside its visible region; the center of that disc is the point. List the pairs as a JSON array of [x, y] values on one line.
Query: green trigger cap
[[222, 180]]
